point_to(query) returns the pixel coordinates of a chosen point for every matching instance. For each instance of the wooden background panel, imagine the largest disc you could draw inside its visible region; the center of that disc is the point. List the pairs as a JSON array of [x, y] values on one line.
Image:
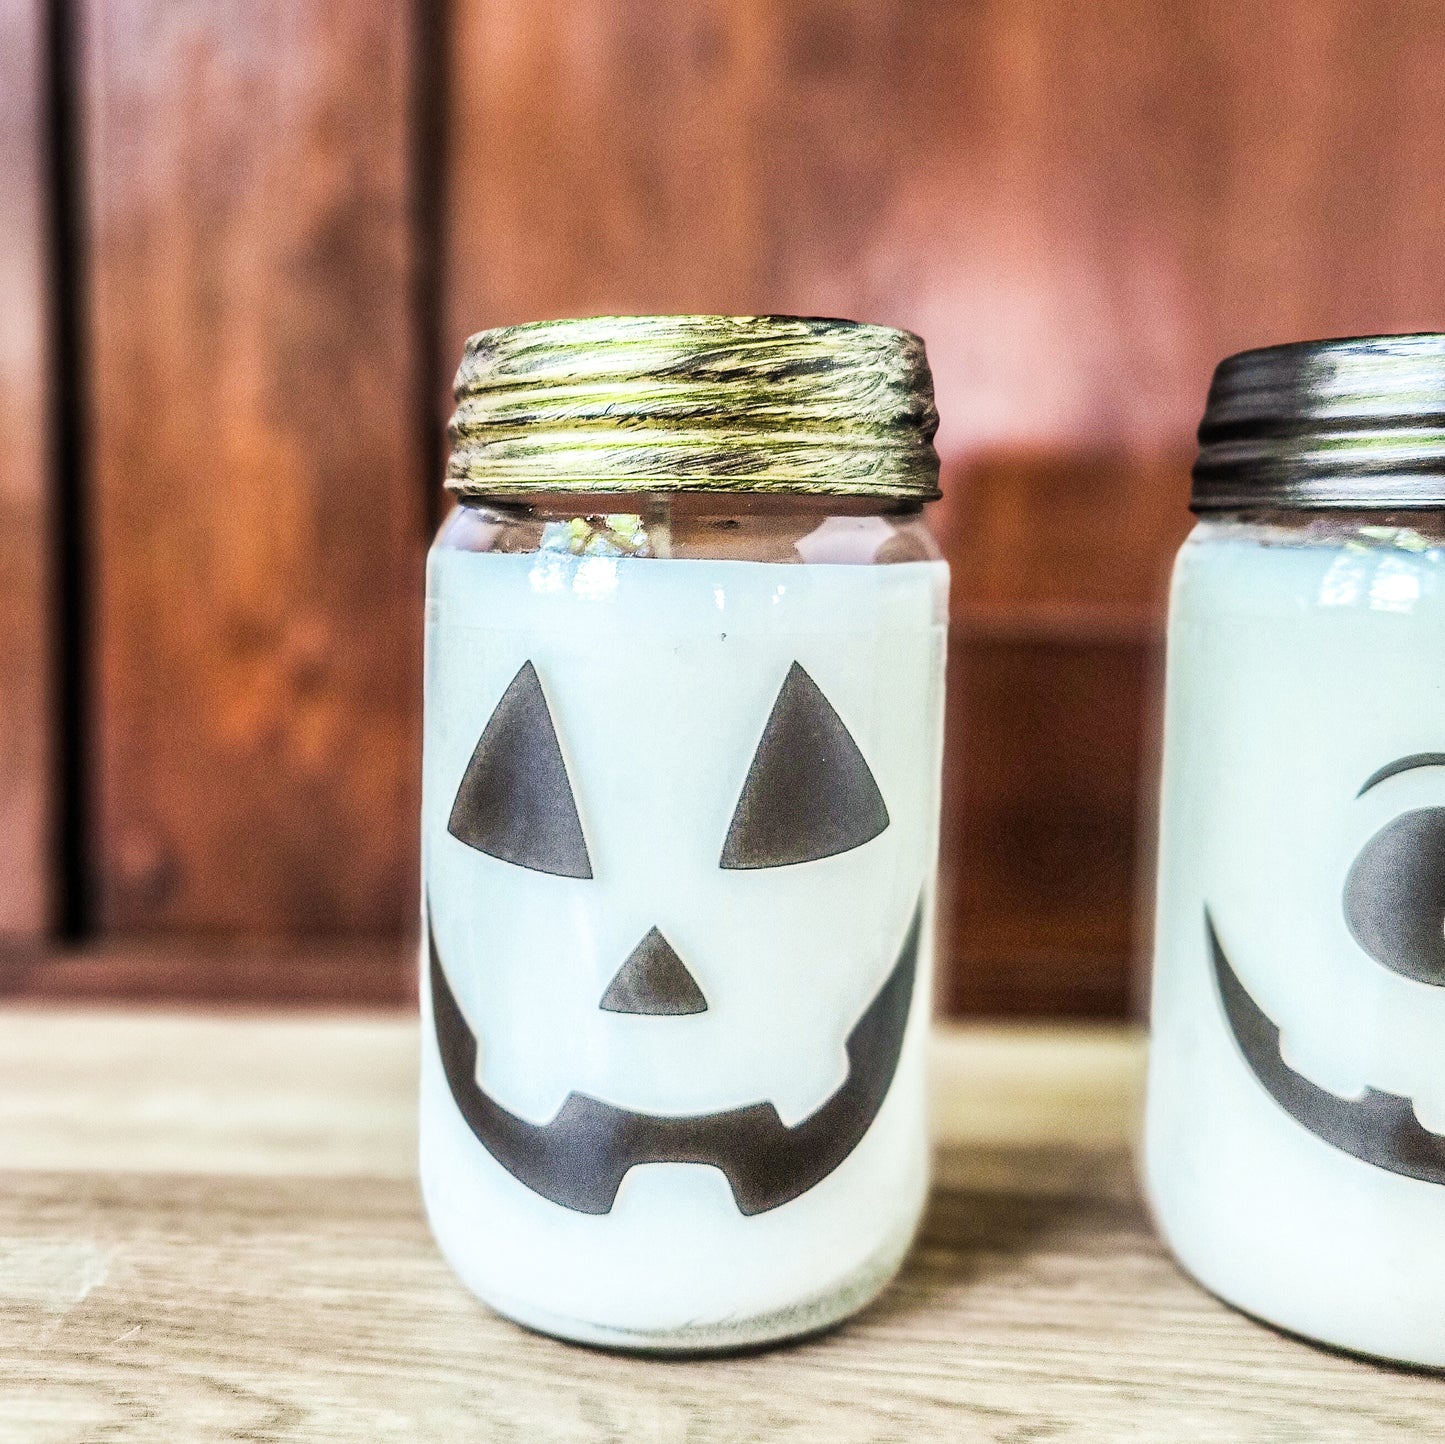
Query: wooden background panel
[[1047, 801], [259, 514], [26, 896], [219, 971], [1064, 543], [1101, 200], [1081, 208]]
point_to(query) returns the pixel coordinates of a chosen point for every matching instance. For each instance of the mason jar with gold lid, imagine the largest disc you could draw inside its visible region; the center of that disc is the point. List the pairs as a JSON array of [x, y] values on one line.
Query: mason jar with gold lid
[[684, 693]]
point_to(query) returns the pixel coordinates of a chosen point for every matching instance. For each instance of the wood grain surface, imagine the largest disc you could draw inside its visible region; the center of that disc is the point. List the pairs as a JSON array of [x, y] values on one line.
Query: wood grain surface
[[258, 515], [266, 1093], [26, 892], [230, 1246]]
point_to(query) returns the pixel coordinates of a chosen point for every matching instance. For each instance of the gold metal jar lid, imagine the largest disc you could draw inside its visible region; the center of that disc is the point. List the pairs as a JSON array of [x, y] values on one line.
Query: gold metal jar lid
[[766, 404]]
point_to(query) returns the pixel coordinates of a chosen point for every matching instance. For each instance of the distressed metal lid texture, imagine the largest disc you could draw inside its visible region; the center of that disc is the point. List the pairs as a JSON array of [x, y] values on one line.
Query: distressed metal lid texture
[[763, 404], [1357, 423]]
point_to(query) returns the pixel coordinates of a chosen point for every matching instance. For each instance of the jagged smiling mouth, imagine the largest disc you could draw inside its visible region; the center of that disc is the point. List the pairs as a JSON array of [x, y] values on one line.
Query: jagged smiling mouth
[[579, 1159], [1377, 1128]]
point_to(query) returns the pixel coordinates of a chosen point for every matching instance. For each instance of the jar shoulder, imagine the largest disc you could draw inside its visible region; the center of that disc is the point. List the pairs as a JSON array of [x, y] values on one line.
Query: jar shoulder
[[1311, 560]]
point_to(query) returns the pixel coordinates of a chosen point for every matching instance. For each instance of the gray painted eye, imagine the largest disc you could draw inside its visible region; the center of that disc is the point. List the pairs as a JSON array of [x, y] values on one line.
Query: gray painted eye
[[809, 792], [1395, 896], [515, 802]]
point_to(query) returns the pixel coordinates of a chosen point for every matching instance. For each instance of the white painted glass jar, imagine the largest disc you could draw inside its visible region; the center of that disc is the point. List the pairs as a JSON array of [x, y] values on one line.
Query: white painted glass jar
[[1295, 1139], [684, 686]]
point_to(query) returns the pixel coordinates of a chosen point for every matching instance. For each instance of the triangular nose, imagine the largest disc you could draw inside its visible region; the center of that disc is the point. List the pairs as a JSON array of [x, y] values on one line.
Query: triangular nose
[[654, 980]]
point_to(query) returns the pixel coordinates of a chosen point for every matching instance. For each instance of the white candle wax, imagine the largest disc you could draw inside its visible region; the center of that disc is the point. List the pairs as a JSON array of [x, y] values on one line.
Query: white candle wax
[[659, 678], [1297, 673]]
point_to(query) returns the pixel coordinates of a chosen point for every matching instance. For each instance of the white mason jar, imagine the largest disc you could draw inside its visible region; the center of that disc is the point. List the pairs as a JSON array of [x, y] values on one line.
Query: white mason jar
[[1295, 1141], [684, 693]]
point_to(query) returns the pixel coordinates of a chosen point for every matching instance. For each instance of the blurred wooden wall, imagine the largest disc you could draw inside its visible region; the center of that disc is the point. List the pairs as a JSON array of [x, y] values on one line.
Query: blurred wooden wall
[[26, 634], [241, 243]]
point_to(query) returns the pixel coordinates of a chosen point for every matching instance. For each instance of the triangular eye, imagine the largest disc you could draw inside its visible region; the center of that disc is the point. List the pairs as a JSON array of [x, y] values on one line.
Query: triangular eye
[[809, 792], [515, 802]]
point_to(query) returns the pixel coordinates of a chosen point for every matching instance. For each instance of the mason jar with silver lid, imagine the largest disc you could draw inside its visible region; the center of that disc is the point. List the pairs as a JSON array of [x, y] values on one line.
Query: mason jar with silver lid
[[1295, 1139]]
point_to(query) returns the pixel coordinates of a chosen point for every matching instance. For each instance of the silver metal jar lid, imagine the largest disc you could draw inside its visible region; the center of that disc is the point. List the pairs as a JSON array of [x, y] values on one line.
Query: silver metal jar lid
[[1354, 423]]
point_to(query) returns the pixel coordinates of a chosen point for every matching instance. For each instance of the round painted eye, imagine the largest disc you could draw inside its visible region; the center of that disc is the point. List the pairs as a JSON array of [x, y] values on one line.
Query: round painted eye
[[1395, 896]]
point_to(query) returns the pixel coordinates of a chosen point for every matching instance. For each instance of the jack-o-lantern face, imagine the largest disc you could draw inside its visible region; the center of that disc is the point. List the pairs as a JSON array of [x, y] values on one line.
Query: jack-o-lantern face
[[1393, 901], [809, 795]]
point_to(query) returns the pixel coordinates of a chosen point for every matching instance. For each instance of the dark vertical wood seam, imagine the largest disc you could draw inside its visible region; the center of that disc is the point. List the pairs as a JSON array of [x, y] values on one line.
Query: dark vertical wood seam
[[69, 428], [429, 119]]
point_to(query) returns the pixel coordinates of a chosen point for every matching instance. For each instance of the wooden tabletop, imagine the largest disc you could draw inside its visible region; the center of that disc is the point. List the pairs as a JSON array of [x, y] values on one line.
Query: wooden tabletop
[[209, 1229]]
